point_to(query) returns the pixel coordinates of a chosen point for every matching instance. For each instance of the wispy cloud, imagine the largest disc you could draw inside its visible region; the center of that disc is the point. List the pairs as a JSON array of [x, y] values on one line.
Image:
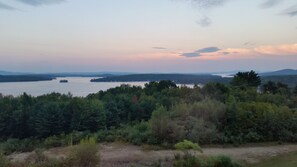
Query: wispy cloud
[[208, 50], [205, 6], [41, 2], [6, 7], [291, 11], [159, 48], [208, 3], [193, 54], [249, 44], [286, 49], [270, 3], [200, 52], [251, 53], [204, 22], [225, 53]]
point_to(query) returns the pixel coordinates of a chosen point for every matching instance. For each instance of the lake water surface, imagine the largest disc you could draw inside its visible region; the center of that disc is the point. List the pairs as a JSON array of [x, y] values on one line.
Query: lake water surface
[[77, 86]]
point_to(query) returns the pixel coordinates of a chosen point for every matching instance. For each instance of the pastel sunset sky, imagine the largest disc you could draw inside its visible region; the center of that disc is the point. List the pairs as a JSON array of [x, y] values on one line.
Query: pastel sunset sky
[[184, 36]]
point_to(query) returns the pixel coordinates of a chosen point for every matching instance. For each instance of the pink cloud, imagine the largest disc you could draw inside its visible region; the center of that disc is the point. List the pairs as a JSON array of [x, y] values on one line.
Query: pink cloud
[[251, 53], [278, 50]]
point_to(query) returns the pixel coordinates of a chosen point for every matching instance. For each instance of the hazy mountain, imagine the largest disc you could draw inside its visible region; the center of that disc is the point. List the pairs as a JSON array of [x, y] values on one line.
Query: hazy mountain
[[69, 74], [109, 73], [280, 72], [86, 74], [11, 73]]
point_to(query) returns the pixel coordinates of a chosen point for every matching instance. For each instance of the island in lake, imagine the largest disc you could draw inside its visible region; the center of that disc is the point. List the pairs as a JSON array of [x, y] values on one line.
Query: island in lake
[[64, 81]]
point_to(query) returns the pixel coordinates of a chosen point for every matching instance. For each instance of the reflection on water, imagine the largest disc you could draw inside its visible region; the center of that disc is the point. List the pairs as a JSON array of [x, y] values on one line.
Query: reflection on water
[[77, 86]]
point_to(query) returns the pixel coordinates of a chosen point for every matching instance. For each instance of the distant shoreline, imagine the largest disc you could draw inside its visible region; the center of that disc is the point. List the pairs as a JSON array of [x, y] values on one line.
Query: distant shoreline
[[177, 78], [25, 78]]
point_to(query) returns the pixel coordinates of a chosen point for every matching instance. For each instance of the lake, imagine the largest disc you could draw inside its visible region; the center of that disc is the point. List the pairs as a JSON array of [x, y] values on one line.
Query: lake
[[77, 86]]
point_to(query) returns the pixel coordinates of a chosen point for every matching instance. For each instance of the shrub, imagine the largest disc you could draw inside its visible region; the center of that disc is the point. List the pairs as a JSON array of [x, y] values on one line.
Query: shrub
[[160, 123], [187, 145], [48, 163], [189, 160], [17, 145], [137, 134], [76, 137], [223, 161], [202, 131], [39, 156], [84, 155], [199, 121], [52, 141], [88, 141], [3, 161], [38, 159]]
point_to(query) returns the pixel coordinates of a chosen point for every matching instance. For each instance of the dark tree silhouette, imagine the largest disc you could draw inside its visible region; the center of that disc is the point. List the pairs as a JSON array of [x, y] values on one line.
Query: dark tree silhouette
[[246, 79], [295, 90], [269, 87]]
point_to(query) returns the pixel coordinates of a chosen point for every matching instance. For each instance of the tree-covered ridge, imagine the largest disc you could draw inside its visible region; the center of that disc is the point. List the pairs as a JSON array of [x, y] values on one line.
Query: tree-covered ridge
[[290, 80], [25, 78], [177, 78], [159, 113]]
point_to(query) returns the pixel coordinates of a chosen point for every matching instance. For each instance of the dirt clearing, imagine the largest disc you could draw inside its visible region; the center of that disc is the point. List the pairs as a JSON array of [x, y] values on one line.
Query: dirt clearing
[[122, 155]]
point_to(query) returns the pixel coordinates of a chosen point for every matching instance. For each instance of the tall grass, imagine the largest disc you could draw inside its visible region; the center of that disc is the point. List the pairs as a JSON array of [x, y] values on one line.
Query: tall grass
[[86, 154]]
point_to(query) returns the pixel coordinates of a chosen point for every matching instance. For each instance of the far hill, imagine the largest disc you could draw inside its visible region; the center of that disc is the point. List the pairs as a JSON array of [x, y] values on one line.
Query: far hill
[[280, 72], [11, 73], [24, 78], [86, 74], [67, 74], [290, 80], [177, 78]]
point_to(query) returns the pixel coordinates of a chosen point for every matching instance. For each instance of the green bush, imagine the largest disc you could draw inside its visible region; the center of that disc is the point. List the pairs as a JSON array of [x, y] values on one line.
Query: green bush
[[189, 160], [84, 155], [76, 137], [137, 134], [187, 145], [3, 161], [88, 141], [223, 161], [101, 135], [52, 141], [66, 140], [17, 145]]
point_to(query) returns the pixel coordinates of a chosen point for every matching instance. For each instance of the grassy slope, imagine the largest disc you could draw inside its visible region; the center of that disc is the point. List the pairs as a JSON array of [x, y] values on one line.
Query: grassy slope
[[280, 161]]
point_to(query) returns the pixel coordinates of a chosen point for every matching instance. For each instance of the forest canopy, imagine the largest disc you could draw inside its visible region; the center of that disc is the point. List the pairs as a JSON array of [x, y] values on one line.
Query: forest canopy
[[159, 113]]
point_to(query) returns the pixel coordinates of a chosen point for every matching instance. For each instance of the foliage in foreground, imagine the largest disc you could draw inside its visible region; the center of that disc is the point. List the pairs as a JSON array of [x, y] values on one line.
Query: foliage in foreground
[[3, 161], [158, 114], [85, 154], [187, 145], [189, 160], [288, 160]]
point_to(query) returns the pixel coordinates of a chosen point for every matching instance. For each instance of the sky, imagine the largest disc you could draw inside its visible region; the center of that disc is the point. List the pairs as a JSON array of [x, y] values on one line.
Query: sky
[[145, 36]]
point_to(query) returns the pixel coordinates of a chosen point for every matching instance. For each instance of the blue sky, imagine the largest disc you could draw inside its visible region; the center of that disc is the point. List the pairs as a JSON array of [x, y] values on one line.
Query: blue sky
[[147, 36]]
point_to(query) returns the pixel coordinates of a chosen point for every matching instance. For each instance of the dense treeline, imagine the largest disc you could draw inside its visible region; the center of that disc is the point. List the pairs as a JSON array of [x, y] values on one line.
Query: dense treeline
[[290, 80], [159, 113], [25, 78], [177, 78]]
